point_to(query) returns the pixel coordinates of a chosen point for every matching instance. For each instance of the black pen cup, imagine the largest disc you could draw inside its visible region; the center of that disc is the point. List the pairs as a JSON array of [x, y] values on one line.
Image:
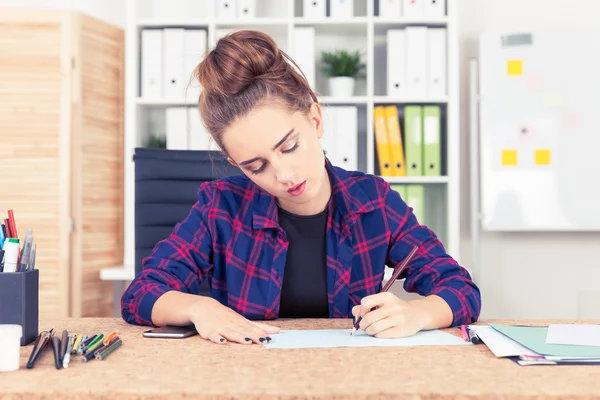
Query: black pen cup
[[19, 302]]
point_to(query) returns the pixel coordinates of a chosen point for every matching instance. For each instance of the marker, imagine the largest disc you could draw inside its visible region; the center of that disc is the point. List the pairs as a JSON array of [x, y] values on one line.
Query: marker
[[473, 338], [465, 335], [11, 254]]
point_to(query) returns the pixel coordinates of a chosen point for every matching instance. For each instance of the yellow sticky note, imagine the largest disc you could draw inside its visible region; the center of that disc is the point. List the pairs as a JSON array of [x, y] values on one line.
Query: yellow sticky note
[[509, 157], [514, 67], [542, 157]]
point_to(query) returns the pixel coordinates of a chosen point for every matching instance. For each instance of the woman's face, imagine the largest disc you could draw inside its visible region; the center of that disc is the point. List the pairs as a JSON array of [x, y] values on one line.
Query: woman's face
[[280, 151]]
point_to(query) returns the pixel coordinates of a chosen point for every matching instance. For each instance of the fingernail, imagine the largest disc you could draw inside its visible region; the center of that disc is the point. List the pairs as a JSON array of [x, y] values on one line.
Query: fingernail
[[222, 340], [248, 339], [268, 339], [262, 339]]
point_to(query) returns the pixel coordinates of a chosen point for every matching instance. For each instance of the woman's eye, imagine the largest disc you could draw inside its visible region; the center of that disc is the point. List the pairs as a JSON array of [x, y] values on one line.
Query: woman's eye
[[261, 169], [293, 146]]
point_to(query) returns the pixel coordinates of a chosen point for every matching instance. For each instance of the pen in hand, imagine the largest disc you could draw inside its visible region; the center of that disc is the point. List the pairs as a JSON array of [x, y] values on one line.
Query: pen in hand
[[389, 283]]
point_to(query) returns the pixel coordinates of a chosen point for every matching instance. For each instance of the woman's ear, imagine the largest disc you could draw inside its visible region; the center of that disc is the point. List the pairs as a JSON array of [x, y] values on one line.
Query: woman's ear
[[315, 115], [232, 162]]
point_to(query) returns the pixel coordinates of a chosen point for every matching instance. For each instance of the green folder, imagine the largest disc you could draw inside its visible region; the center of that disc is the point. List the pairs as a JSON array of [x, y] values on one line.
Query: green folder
[[413, 136], [400, 189], [534, 338], [415, 198], [432, 153]]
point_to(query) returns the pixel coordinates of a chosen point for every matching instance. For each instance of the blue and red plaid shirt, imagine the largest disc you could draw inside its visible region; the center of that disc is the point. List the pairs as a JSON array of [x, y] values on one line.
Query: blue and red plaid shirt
[[232, 238]]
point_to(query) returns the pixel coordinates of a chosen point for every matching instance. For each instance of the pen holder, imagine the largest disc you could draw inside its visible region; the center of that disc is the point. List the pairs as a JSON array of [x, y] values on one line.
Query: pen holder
[[19, 302]]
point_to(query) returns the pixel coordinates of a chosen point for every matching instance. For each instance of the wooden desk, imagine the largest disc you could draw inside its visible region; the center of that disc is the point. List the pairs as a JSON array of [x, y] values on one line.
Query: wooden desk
[[193, 368]]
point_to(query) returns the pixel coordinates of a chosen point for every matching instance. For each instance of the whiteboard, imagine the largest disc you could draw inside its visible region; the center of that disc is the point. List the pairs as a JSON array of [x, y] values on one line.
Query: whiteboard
[[539, 143]]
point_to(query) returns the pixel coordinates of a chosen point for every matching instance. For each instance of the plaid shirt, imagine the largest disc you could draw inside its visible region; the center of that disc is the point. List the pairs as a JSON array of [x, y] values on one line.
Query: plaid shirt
[[232, 238]]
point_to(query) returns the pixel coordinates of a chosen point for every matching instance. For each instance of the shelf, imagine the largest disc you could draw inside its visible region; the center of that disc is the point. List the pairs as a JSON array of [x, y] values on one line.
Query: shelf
[[383, 22], [343, 100], [330, 21], [161, 23], [252, 22], [416, 179], [409, 100]]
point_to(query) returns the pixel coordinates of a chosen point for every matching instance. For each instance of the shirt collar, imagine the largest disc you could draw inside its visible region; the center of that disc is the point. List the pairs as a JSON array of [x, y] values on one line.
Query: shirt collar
[[348, 199]]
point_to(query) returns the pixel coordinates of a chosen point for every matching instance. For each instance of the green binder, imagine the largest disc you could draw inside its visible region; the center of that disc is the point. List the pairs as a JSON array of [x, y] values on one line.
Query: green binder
[[415, 198], [400, 189], [413, 135], [432, 153]]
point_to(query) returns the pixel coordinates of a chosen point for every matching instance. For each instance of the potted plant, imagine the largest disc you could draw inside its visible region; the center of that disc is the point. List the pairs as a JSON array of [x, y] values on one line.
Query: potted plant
[[341, 67]]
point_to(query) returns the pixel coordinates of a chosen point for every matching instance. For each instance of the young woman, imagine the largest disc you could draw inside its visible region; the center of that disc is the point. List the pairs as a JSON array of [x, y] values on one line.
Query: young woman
[[294, 236]]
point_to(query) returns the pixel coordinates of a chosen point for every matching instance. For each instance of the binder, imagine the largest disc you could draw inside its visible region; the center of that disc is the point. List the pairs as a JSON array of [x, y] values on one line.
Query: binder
[[436, 65], [413, 9], [174, 71], [390, 8], [246, 9], [395, 141], [314, 9], [176, 124], [304, 52], [195, 45], [341, 8], [416, 60], [415, 198], [226, 9], [401, 189], [396, 62], [329, 134], [382, 144], [346, 137], [413, 140], [152, 63], [199, 139], [434, 9], [432, 154]]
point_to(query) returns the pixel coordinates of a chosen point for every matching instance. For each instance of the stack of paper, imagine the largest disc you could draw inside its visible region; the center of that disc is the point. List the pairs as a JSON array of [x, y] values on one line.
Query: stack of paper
[[538, 345]]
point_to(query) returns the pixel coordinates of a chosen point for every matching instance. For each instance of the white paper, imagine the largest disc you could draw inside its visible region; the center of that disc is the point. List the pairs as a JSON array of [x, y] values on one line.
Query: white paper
[[573, 334], [499, 344], [328, 338]]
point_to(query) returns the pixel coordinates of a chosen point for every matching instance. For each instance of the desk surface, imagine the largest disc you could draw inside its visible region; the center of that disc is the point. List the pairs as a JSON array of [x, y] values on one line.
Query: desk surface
[[193, 368]]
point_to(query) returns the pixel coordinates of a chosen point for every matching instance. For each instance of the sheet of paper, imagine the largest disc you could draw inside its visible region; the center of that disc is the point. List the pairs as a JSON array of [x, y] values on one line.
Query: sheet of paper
[[573, 334], [500, 345], [328, 338]]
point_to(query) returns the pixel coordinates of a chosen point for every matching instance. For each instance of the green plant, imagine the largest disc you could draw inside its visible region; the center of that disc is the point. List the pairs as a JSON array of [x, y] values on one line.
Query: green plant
[[156, 142], [341, 63]]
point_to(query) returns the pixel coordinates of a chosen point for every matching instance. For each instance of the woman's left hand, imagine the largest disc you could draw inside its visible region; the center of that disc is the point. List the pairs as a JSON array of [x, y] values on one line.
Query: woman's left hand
[[392, 317]]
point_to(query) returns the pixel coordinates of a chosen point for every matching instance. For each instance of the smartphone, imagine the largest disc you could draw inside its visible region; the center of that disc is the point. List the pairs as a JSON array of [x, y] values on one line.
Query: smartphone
[[171, 332]]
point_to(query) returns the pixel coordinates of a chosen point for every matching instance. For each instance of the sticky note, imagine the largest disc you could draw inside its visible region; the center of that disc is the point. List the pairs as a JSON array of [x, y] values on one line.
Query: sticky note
[[509, 157], [552, 99], [542, 157], [514, 67]]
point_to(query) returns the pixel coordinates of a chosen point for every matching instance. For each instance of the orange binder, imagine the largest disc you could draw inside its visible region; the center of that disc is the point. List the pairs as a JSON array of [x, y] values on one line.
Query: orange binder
[[395, 141], [382, 142]]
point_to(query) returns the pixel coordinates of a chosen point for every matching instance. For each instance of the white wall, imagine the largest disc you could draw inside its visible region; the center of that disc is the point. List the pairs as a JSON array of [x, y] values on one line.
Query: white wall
[[527, 275], [111, 11]]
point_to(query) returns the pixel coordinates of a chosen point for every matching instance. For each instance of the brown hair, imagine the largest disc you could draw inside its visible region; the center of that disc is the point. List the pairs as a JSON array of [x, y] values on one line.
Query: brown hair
[[247, 69]]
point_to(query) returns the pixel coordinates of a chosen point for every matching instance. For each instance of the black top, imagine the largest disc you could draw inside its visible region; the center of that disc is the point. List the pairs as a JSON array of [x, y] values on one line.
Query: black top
[[304, 288]]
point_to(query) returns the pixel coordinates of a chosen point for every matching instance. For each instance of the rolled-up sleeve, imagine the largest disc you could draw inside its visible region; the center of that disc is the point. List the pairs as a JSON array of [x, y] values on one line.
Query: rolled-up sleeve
[[432, 270], [179, 262]]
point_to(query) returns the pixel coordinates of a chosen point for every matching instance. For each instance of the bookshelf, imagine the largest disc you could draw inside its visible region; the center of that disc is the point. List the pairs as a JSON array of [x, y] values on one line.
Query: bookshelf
[[365, 31]]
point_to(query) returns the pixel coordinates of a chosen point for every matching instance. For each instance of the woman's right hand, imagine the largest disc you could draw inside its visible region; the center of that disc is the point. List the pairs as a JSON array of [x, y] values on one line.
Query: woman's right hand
[[221, 324]]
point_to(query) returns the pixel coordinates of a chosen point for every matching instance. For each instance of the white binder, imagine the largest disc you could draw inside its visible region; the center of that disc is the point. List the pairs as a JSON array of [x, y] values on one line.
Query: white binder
[[195, 45], [347, 137], [328, 140], [176, 124], [341, 8], [434, 8], [396, 62], [390, 8], [436, 63], [314, 9], [304, 52], [413, 9], [174, 70], [416, 60], [152, 63], [199, 139], [246, 9], [226, 9]]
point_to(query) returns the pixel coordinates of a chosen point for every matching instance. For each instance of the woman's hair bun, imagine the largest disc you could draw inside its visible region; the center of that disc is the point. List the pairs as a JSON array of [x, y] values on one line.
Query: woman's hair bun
[[239, 59]]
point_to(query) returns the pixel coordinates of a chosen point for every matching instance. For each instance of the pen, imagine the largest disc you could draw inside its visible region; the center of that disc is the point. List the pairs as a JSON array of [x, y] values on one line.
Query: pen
[[40, 344], [389, 283], [473, 338], [55, 342], [64, 342]]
